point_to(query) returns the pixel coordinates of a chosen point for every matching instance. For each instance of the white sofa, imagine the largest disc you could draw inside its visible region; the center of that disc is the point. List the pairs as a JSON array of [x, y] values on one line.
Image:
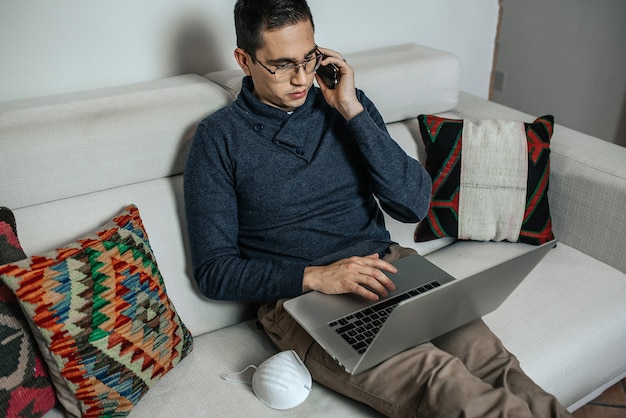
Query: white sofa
[[71, 162]]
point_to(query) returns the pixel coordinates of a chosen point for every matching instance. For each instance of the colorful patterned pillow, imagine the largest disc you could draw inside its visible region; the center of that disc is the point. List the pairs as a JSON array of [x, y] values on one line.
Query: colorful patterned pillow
[[100, 307], [25, 388], [443, 142]]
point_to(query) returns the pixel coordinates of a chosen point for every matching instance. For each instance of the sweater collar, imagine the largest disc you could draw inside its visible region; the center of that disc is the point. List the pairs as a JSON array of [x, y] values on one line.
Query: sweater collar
[[300, 131]]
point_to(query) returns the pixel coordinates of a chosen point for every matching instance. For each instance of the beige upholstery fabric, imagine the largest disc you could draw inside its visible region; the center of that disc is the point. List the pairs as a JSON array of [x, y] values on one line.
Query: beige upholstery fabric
[[70, 162], [141, 132]]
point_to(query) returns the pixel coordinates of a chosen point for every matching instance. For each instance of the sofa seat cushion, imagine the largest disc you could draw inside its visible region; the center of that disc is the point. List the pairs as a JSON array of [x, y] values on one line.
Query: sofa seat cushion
[[196, 387], [568, 311], [551, 322]]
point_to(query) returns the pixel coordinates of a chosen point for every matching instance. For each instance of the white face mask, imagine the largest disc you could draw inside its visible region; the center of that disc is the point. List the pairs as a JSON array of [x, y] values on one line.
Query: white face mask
[[282, 381]]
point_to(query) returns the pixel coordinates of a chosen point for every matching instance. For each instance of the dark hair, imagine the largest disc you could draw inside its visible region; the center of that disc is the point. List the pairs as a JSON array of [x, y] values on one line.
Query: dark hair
[[252, 17]]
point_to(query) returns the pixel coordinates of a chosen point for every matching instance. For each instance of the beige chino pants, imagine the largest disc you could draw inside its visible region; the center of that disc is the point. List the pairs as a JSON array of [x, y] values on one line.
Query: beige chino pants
[[465, 373]]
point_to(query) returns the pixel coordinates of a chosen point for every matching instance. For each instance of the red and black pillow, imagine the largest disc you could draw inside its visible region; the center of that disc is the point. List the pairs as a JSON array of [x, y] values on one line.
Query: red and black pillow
[[27, 389], [443, 140]]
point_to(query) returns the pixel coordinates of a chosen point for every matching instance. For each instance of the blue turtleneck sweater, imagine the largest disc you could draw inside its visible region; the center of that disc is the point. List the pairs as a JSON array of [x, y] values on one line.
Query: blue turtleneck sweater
[[268, 193]]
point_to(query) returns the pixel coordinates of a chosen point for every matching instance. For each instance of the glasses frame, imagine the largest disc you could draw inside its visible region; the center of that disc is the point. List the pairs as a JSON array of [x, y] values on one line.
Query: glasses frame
[[295, 67]]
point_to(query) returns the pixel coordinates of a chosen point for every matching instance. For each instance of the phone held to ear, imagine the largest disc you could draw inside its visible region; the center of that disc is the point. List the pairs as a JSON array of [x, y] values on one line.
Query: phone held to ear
[[329, 74]]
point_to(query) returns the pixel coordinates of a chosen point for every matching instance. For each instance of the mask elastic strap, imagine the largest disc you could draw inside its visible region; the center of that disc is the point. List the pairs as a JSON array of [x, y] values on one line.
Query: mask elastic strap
[[231, 376]]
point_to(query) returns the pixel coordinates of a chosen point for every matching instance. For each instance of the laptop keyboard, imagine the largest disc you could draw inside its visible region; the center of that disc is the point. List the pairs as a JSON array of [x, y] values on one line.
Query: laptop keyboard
[[359, 328]]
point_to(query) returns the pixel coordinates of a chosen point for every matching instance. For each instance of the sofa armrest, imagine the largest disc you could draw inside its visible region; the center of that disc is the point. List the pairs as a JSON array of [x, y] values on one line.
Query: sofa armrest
[[587, 184], [588, 195]]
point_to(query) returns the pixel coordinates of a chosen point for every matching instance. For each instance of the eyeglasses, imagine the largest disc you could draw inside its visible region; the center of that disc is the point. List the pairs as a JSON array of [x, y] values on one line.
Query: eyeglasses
[[286, 72]]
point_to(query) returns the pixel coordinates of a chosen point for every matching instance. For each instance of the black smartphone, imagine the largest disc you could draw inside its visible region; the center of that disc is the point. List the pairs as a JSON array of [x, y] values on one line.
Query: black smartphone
[[329, 74]]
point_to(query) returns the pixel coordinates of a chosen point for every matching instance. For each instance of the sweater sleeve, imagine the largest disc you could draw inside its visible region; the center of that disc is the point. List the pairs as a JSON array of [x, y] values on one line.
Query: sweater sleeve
[[212, 224], [401, 184]]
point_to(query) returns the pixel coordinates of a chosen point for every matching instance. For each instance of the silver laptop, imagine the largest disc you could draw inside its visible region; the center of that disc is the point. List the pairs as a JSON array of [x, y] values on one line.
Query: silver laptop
[[427, 303]]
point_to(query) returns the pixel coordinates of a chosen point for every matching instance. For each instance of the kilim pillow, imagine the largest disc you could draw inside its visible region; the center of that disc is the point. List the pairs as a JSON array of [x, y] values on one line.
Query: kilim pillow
[[443, 141], [100, 307], [25, 388]]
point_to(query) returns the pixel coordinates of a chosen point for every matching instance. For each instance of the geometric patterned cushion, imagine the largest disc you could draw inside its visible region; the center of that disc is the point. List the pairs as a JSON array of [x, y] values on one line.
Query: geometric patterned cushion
[[25, 388], [443, 142], [100, 307]]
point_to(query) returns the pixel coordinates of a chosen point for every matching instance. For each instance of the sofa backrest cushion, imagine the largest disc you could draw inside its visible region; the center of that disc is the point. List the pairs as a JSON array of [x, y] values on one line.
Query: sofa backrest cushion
[[60, 146], [403, 81]]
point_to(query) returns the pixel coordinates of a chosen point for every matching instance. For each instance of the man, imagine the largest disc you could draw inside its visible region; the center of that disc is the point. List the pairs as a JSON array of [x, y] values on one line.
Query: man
[[280, 191]]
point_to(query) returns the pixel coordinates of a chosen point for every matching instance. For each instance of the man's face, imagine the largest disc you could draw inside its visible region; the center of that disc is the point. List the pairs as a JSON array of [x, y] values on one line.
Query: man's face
[[288, 45]]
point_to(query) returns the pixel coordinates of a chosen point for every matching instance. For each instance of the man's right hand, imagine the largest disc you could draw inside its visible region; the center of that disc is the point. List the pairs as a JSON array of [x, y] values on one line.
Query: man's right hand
[[362, 276]]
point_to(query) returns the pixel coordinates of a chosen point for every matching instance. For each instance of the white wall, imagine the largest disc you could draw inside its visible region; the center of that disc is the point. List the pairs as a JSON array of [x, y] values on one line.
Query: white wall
[[49, 47], [568, 58]]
